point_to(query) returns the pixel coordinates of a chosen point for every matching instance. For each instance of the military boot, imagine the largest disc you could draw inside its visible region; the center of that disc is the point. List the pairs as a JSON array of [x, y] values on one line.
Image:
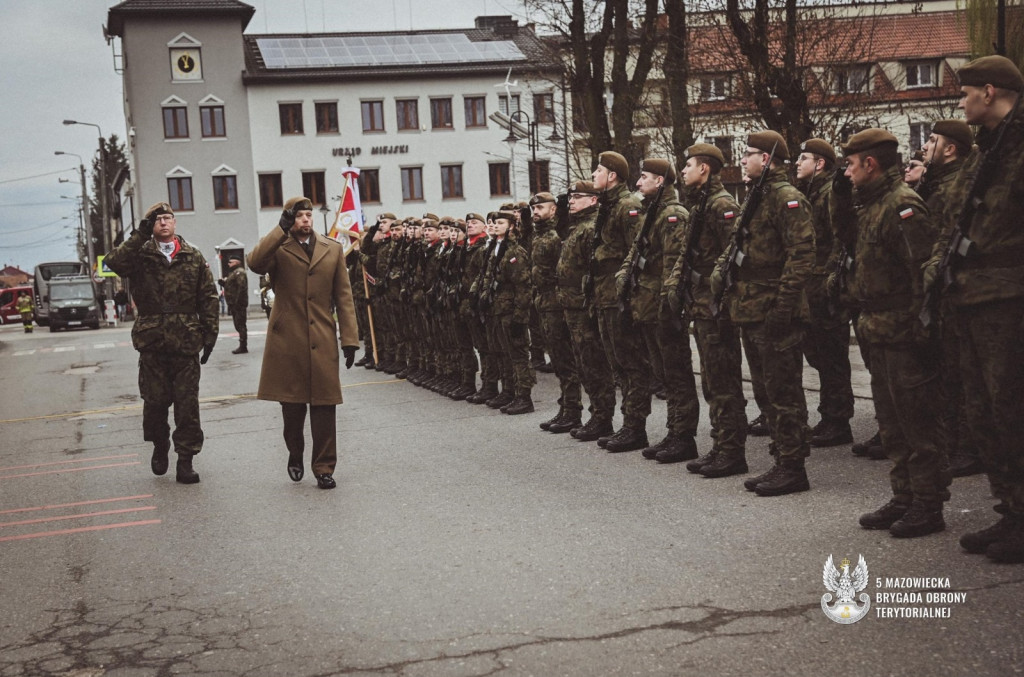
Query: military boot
[[158, 463], [242, 348], [725, 464], [650, 452], [790, 478], [696, 464], [403, 372], [1009, 550], [963, 463], [593, 429], [522, 404], [920, 520], [831, 433], [682, 448], [186, 475], [571, 419], [488, 389], [977, 542], [361, 362], [463, 391], [501, 399], [751, 483], [886, 516], [864, 448], [759, 427], [544, 425], [627, 439], [395, 368]]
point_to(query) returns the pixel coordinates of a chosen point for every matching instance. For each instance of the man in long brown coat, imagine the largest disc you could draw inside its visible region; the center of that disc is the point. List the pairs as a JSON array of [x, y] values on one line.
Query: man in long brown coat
[[301, 357]]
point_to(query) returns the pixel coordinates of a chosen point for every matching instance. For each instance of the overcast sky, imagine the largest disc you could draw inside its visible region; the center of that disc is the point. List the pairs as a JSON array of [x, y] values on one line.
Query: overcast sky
[[57, 66]]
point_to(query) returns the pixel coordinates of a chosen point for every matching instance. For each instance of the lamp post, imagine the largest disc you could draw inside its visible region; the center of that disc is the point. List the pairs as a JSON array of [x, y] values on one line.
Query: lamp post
[[90, 252], [325, 211], [104, 188]]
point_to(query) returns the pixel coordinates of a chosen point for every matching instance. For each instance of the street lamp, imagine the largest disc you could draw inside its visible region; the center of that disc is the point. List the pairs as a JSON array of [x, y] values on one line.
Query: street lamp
[[325, 211], [104, 206], [532, 140], [90, 252]]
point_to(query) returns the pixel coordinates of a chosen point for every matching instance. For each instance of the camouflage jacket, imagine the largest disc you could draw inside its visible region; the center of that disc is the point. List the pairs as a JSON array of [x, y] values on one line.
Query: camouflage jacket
[[934, 190], [236, 289], [177, 301], [574, 259], [508, 281], [662, 252], [994, 269], [894, 237], [779, 255], [547, 247], [819, 194], [617, 237], [719, 219], [430, 272], [472, 272]]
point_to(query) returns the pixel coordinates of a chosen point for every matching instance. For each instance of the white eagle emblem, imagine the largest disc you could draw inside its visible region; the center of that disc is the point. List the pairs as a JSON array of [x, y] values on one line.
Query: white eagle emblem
[[845, 586]]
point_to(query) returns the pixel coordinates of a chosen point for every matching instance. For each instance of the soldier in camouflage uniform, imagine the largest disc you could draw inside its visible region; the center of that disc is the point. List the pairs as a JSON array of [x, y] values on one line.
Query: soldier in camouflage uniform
[[639, 289], [236, 293], [374, 252], [988, 294], [893, 238], [354, 265], [588, 352], [768, 302], [478, 253], [624, 346], [827, 342], [718, 341], [178, 313]]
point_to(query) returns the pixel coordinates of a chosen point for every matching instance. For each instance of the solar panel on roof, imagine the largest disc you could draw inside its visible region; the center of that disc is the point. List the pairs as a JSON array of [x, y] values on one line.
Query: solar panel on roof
[[383, 49]]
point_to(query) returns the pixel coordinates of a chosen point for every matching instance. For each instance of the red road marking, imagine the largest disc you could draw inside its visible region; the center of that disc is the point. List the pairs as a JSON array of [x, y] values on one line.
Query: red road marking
[[62, 532], [72, 517], [72, 505], [51, 472], [81, 460]]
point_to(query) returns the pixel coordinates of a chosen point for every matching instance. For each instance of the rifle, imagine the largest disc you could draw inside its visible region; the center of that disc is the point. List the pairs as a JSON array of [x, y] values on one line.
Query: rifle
[[604, 210], [959, 244], [688, 277], [734, 255], [493, 267], [842, 268], [641, 245], [478, 283], [455, 289]]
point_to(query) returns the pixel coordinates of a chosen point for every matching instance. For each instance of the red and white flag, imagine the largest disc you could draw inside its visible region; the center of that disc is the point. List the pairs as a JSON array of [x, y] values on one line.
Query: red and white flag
[[349, 217]]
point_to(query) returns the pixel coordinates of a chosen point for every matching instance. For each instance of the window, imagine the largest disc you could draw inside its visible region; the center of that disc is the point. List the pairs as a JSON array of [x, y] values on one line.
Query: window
[[326, 117], [369, 185], [314, 187], [225, 192], [919, 133], [508, 105], [408, 112], [850, 80], [179, 193], [499, 179], [291, 118], [270, 190], [724, 144], [540, 176], [412, 183], [212, 119], [714, 88], [451, 181], [921, 75], [441, 113], [373, 116], [476, 112], [175, 123], [544, 108]]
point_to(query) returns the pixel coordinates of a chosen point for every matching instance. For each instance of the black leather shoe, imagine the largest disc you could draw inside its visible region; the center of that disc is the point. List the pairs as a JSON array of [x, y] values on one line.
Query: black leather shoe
[[919, 520], [759, 427], [725, 465], [158, 463], [295, 469], [325, 481], [832, 433], [522, 404], [628, 439], [681, 448], [886, 516], [593, 430], [239, 350], [361, 362], [185, 473], [788, 479]]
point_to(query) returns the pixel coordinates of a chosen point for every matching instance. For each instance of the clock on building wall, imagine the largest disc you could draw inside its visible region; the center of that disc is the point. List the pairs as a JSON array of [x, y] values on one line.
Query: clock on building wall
[[186, 64]]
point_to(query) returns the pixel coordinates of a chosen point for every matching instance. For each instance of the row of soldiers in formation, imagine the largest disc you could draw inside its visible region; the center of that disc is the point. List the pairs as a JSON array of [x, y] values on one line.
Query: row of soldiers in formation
[[617, 280]]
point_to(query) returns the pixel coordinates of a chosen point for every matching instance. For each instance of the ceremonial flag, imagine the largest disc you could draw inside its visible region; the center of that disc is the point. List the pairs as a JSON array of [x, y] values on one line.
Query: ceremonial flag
[[349, 217]]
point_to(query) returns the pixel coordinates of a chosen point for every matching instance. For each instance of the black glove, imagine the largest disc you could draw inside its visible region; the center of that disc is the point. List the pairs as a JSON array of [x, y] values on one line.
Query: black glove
[[146, 228], [562, 202], [350, 355], [287, 220], [841, 186], [206, 354]]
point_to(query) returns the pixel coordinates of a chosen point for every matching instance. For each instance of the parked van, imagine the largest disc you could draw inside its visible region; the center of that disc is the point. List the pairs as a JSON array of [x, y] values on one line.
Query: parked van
[[9, 304], [73, 303]]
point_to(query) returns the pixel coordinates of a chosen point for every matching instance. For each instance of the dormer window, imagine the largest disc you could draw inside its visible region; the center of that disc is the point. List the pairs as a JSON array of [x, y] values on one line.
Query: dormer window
[[922, 74], [850, 80], [714, 87]]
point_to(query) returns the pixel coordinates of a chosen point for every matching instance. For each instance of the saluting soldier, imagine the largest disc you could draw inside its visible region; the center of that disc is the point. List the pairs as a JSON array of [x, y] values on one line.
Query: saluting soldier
[[478, 253]]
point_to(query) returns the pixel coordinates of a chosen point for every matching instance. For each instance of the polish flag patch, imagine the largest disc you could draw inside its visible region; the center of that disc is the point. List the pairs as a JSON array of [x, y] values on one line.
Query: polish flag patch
[[634, 212], [906, 213], [793, 204], [513, 259], [729, 215], [673, 219]]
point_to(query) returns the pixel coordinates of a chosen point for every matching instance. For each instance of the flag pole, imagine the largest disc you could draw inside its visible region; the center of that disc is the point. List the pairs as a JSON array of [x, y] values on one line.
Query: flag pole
[[369, 314]]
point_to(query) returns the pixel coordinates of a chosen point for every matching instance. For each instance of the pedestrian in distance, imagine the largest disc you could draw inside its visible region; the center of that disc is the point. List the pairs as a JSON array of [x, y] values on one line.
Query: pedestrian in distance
[[236, 293]]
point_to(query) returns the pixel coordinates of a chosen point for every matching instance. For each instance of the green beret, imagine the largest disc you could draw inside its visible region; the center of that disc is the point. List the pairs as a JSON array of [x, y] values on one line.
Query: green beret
[[473, 216], [541, 198], [584, 188], [707, 151], [298, 204], [957, 130], [994, 70], [868, 139], [158, 209], [767, 140], [819, 147], [661, 168], [615, 162]]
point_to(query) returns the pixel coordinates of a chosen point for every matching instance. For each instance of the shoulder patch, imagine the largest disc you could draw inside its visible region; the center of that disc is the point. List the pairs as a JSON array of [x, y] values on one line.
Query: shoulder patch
[[513, 259], [634, 212], [729, 215], [673, 219], [906, 213], [793, 204]]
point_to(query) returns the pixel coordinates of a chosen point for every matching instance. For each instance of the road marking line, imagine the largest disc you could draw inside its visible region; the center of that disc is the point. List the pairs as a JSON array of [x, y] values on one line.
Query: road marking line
[[78, 516], [77, 530], [63, 349], [81, 460], [20, 353], [101, 346], [78, 503], [53, 472]]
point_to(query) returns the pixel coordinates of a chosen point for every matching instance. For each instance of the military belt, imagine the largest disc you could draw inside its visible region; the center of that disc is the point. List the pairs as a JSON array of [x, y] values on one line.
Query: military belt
[[879, 305], [759, 273], [1007, 258]]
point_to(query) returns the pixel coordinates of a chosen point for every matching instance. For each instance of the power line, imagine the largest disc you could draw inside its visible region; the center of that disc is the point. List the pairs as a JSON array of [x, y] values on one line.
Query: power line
[[30, 204], [26, 230], [39, 176]]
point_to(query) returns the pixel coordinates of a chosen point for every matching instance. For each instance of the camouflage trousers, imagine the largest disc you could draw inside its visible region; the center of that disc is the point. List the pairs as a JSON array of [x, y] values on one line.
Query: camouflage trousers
[[826, 346], [718, 344], [559, 347], [514, 340], [468, 365], [362, 319], [781, 367], [903, 383], [953, 424], [753, 357], [627, 356], [992, 368], [164, 380], [673, 347], [238, 317], [591, 362], [490, 367]]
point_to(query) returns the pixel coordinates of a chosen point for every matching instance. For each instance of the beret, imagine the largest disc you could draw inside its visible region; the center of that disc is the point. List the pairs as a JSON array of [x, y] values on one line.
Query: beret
[[994, 70], [459, 225], [918, 156], [158, 209], [706, 150], [585, 187], [541, 198], [819, 147], [431, 217], [614, 162], [767, 140], [414, 222], [661, 168], [235, 257], [388, 215], [868, 139], [473, 216], [957, 130], [447, 221], [299, 203]]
